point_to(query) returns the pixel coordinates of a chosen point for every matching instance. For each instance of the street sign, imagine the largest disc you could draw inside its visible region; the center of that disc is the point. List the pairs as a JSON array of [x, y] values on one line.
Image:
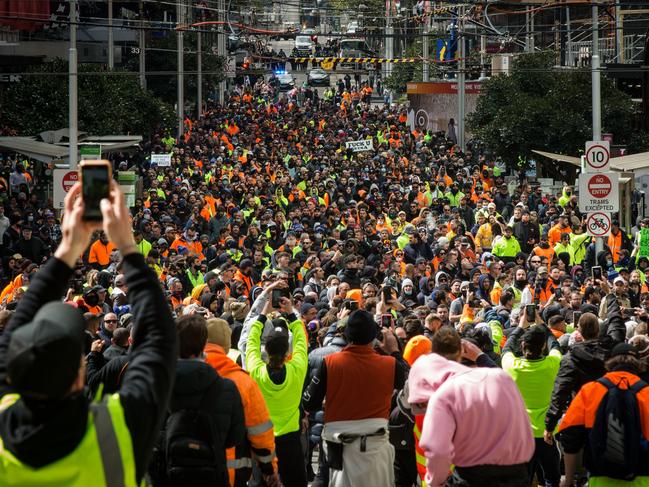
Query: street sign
[[90, 152], [599, 192], [598, 224], [63, 180], [597, 156]]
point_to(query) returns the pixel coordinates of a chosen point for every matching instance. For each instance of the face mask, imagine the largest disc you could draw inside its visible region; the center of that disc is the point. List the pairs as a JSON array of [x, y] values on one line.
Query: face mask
[[544, 245], [609, 263]]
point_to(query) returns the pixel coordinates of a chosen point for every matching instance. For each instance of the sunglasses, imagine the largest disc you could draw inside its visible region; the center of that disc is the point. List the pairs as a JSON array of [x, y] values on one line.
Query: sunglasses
[[110, 321]]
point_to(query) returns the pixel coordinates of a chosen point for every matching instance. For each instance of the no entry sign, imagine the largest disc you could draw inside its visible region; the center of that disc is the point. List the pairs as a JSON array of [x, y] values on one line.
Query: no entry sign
[[599, 192], [599, 186], [597, 156], [63, 180], [598, 224]]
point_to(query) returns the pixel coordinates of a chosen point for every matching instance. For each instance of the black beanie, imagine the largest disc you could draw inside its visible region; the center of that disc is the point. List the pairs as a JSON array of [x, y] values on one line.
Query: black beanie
[[361, 328]]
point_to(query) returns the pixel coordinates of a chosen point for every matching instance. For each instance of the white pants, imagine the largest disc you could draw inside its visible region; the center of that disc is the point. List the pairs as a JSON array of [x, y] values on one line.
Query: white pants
[[372, 467]]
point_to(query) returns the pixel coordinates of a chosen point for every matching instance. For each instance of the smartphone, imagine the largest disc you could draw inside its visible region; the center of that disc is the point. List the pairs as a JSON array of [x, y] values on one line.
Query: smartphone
[[596, 272], [95, 186], [386, 320], [575, 317], [530, 313], [351, 305], [278, 294]]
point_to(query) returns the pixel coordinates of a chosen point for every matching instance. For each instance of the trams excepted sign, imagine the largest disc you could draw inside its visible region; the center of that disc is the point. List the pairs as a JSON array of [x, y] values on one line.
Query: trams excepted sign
[[598, 224], [599, 192], [597, 156]]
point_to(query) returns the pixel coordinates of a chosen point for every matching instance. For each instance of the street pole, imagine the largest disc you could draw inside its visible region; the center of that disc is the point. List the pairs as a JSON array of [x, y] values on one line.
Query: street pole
[[425, 50], [596, 101], [181, 68], [461, 80], [111, 40], [72, 89], [199, 69], [389, 39], [221, 48], [619, 33], [142, 53]]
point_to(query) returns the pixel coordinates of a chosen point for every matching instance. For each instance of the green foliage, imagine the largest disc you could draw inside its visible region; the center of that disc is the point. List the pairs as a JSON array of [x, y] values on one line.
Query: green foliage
[[107, 104], [402, 74], [540, 107], [161, 56]]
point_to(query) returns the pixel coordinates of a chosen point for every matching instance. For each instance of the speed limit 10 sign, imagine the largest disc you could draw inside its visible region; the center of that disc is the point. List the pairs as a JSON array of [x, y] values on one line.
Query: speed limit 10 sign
[[597, 156]]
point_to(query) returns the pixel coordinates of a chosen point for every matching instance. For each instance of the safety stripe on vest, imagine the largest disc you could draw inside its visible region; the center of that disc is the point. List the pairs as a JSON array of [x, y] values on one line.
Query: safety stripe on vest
[[266, 458], [111, 458], [259, 428], [240, 463]]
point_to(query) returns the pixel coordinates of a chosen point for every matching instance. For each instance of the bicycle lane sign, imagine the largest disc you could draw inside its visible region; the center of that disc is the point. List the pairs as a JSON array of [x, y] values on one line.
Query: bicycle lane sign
[[598, 224]]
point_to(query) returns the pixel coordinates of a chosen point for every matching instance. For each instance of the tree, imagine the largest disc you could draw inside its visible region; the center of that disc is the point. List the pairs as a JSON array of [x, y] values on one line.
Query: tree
[[108, 103], [540, 107]]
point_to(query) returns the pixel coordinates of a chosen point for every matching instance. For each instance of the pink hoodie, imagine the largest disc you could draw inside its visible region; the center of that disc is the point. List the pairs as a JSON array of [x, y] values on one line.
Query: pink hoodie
[[475, 416]]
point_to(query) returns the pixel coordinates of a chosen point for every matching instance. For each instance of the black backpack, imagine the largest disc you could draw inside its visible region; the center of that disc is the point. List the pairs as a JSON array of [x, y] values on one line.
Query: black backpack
[[618, 447], [192, 451]]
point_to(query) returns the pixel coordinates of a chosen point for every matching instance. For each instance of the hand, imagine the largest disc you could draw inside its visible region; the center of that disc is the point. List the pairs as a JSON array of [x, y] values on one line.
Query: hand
[[286, 306], [389, 344], [96, 346], [76, 231], [116, 221], [603, 283], [470, 351], [343, 313], [272, 480], [548, 437]]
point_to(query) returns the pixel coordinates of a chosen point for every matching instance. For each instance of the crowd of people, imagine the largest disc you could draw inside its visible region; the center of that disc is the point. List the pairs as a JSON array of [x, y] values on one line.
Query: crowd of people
[[280, 309]]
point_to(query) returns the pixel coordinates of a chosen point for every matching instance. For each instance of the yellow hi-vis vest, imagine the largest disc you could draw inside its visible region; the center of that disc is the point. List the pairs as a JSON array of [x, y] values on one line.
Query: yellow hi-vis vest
[[103, 457]]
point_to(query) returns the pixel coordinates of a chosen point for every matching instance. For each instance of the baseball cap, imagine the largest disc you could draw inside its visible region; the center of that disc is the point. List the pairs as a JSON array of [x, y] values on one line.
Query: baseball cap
[[44, 355]]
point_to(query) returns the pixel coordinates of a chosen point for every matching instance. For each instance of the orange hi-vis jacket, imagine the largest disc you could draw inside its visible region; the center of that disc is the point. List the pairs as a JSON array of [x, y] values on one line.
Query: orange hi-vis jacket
[[580, 417], [195, 248], [259, 428], [100, 253]]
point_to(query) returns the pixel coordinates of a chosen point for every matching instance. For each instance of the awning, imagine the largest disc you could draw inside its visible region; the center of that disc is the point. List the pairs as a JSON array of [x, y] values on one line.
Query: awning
[[624, 163], [40, 151]]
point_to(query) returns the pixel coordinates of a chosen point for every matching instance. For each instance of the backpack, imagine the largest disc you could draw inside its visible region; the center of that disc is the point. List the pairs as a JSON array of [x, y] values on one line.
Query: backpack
[[618, 448], [192, 450]]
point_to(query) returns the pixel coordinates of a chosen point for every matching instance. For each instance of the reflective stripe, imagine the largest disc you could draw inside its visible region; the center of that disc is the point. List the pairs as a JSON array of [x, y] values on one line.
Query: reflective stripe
[[259, 428], [108, 446], [265, 458], [240, 463]]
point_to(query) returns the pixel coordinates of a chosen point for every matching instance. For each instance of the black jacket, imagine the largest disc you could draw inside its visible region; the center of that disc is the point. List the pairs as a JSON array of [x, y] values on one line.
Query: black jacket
[[584, 363], [41, 432], [198, 386]]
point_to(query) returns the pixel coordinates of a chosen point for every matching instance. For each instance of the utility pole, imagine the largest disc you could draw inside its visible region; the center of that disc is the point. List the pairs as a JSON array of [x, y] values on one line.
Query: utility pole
[[199, 69], [111, 40], [222, 48], [461, 80], [389, 39], [425, 49], [181, 76], [72, 89], [596, 101], [141, 43]]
